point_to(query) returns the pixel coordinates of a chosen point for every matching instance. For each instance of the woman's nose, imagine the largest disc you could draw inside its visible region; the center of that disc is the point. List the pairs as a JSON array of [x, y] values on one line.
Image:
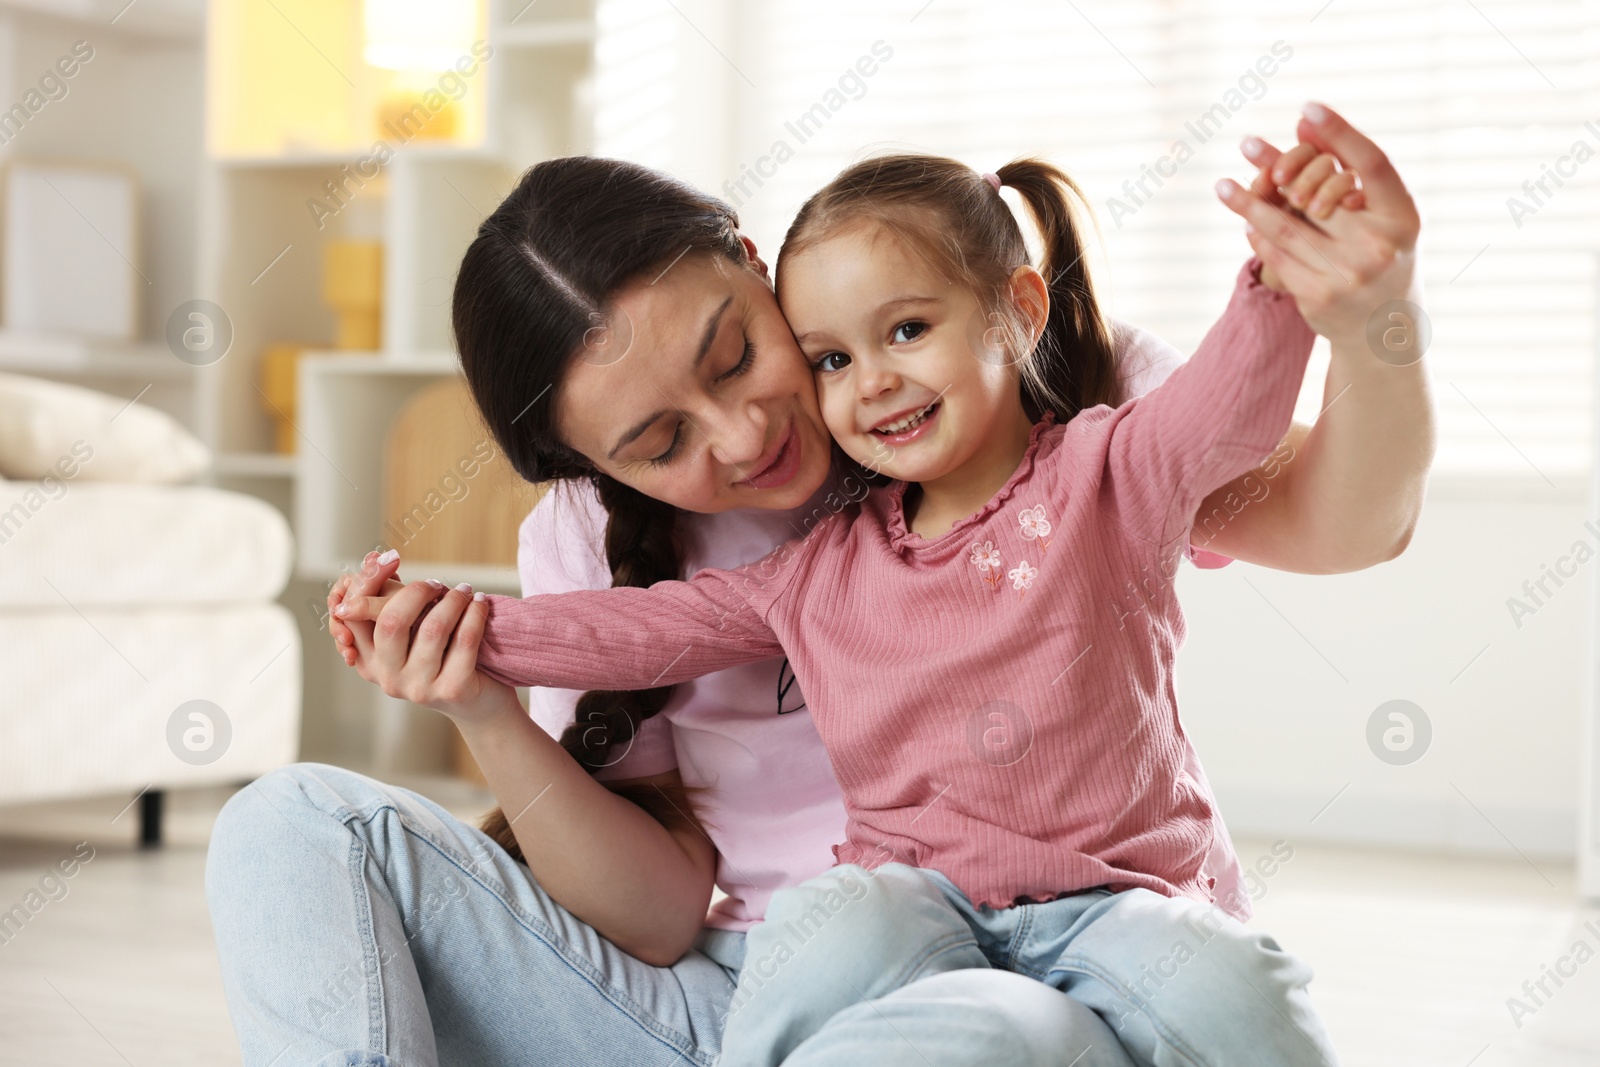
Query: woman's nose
[[738, 438]]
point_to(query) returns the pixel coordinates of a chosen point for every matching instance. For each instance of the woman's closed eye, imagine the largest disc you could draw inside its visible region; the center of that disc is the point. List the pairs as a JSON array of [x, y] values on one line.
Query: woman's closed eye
[[746, 357]]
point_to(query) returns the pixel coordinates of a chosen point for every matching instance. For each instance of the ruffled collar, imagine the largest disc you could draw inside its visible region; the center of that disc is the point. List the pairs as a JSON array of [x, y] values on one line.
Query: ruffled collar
[[896, 493]]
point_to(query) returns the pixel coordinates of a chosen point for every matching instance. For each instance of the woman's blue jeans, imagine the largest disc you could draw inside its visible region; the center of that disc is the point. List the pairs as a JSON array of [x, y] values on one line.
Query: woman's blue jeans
[[359, 923]]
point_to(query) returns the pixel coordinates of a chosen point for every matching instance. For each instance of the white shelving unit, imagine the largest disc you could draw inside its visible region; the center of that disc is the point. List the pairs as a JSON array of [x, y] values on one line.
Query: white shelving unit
[[344, 402], [261, 255]]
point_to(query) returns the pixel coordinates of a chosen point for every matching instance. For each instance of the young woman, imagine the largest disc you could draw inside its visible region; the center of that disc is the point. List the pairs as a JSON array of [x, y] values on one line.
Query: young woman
[[404, 933]]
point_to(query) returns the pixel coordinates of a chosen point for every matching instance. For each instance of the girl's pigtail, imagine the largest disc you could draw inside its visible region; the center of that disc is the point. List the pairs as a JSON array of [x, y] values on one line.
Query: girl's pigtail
[[1075, 364]]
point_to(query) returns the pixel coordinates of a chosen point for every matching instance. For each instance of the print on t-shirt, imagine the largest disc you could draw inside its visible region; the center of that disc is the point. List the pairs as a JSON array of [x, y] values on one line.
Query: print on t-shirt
[[790, 698]]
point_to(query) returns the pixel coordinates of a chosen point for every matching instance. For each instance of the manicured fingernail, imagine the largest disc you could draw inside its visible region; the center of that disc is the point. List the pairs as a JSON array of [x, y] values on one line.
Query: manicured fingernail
[[1315, 112], [436, 583], [464, 587], [1225, 187], [388, 557], [1252, 145], [478, 597], [342, 610]]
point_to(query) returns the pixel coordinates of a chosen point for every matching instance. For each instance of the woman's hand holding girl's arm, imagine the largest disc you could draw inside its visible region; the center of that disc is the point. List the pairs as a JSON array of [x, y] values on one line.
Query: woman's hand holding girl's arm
[[642, 886], [1351, 494]]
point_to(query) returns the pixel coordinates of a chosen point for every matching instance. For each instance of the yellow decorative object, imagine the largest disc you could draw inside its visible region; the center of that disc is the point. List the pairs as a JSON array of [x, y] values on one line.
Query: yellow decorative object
[[408, 115], [352, 285], [279, 366]]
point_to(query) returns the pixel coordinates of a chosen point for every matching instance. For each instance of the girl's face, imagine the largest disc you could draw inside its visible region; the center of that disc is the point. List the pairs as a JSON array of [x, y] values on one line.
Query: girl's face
[[696, 393], [895, 348]]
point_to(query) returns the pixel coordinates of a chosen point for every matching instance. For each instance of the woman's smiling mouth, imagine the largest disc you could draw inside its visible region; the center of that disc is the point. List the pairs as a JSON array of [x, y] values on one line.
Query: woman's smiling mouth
[[781, 467]]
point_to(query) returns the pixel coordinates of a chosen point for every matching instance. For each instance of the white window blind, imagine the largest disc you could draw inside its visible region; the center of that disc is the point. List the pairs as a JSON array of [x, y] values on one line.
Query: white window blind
[[1145, 103]]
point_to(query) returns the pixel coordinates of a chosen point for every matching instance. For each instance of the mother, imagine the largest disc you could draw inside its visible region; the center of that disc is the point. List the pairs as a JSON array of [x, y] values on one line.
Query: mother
[[620, 335]]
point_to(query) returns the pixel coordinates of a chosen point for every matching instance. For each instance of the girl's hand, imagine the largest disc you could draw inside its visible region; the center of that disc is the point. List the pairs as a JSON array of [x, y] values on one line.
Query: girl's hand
[[1305, 180], [421, 644], [364, 583], [1342, 269], [1305, 183]]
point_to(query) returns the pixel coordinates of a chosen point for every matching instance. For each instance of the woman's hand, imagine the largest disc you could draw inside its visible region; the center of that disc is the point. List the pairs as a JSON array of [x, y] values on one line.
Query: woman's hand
[[419, 642], [1346, 493], [1340, 266]]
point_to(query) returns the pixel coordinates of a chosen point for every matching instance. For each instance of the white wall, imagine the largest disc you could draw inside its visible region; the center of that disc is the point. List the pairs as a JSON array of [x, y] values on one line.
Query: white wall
[[1281, 733], [155, 129]]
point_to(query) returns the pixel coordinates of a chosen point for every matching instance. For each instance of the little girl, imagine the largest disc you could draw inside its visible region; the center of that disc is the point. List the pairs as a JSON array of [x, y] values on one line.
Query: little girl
[[986, 643]]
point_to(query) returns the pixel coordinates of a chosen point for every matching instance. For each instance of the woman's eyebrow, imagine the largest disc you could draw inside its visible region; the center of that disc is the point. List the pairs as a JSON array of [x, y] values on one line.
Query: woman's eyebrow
[[707, 335]]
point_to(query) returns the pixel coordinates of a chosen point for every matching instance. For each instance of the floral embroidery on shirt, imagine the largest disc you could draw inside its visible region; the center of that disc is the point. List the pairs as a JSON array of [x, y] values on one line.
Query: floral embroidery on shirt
[[987, 559], [1022, 577], [1035, 527]]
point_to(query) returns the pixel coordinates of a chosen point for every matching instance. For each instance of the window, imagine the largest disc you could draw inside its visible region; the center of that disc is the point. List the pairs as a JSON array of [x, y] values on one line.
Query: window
[[1145, 103]]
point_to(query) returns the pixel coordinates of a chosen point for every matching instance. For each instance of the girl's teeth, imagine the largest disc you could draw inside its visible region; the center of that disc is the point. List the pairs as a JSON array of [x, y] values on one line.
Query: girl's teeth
[[907, 423]]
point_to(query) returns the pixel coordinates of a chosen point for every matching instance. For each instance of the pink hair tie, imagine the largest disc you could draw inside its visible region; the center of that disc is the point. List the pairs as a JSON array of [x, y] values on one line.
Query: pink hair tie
[[993, 180]]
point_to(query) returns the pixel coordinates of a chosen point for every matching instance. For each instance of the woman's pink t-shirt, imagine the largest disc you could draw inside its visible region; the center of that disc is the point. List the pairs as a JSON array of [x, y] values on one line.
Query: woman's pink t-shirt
[[772, 807]]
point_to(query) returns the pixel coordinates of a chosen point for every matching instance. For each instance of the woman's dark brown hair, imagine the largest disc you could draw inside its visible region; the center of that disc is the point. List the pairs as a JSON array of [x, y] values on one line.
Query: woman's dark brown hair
[[952, 217], [534, 283]]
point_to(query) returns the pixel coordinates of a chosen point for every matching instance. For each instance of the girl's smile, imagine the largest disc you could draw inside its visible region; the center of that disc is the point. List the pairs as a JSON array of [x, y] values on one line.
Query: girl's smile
[[902, 430]]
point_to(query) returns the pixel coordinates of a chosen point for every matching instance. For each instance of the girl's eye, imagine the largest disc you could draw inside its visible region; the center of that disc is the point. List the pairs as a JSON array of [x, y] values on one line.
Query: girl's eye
[[823, 365], [910, 331]]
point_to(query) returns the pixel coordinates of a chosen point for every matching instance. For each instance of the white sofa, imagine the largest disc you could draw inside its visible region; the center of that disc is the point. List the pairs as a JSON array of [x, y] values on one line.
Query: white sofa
[[119, 603]]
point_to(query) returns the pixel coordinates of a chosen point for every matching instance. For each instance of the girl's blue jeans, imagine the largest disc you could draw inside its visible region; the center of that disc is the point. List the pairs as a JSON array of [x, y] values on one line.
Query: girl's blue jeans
[[1177, 981], [358, 923]]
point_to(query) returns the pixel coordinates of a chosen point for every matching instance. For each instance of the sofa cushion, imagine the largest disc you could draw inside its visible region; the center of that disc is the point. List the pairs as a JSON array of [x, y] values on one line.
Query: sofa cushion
[[86, 544], [54, 429]]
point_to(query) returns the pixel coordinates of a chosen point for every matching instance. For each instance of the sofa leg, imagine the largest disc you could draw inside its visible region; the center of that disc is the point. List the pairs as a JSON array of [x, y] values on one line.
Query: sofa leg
[[150, 805]]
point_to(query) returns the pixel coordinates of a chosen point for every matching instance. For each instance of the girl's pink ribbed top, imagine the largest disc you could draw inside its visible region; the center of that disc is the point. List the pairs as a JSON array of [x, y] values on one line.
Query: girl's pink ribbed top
[[997, 701]]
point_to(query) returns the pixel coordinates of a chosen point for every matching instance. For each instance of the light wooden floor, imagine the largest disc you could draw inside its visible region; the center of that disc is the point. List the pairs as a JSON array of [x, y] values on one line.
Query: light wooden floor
[[1415, 955]]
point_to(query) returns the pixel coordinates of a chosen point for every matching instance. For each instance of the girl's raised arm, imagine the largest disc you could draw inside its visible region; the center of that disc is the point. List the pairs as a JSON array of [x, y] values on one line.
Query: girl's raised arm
[[1213, 419]]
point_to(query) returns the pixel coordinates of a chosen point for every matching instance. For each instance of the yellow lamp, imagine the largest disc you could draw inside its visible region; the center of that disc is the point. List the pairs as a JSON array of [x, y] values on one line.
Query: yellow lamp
[[418, 35], [419, 40]]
